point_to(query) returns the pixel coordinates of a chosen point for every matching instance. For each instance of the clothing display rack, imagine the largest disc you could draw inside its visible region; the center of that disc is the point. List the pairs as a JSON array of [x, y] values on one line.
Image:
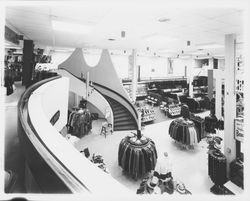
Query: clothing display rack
[[79, 122], [217, 170], [183, 130], [137, 155], [199, 124]]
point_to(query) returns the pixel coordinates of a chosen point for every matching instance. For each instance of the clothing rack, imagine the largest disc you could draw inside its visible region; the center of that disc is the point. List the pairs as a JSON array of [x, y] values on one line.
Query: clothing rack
[[217, 167], [137, 155], [79, 122], [184, 131]]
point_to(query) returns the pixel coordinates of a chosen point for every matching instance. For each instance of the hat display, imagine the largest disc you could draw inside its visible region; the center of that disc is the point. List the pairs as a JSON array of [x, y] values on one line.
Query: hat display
[[153, 182], [181, 188], [217, 146]]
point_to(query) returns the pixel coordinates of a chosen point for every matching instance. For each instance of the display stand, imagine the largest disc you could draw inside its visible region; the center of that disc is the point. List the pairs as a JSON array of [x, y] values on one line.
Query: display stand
[[137, 155], [183, 130], [217, 170]]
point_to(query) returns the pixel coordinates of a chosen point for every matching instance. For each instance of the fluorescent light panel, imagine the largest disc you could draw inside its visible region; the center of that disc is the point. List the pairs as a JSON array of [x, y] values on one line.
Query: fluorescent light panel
[[71, 27]]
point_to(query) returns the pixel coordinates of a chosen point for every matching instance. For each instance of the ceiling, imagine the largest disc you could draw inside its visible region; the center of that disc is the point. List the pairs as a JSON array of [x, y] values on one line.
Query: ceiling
[[140, 23]]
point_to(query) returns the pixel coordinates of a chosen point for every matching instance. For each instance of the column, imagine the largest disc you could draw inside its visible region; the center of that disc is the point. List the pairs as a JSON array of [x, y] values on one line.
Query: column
[[28, 62], [218, 93], [191, 87], [134, 71], [230, 99], [210, 80]]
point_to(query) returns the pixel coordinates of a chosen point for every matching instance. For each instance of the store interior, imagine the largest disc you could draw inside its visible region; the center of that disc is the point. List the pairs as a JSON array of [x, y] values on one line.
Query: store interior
[[103, 99]]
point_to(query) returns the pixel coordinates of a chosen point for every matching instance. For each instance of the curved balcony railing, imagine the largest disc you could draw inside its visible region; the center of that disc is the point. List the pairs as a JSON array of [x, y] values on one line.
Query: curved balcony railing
[[56, 165]]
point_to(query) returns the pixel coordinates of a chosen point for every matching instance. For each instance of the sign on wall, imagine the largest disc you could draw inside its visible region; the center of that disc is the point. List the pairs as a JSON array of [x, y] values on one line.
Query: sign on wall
[[239, 129]]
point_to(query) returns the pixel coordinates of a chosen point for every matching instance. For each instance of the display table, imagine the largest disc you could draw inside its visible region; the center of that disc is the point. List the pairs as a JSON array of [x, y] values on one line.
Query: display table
[[174, 110], [184, 131], [136, 155]]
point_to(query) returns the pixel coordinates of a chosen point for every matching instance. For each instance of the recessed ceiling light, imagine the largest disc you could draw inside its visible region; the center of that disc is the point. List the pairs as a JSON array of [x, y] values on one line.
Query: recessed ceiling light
[[164, 19], [71, 27], [111, 39]]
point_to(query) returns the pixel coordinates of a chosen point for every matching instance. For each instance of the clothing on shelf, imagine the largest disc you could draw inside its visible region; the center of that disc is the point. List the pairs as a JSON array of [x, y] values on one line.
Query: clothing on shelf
[[79, 122], [217, 167], [137, 156], [147, 114], [184, 131], [174, 110]]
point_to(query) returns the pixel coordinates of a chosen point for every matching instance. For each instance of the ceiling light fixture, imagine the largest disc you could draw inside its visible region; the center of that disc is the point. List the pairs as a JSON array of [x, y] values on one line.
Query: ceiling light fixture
[[111, 39], [71, 27], [164, 19], [123, 34]]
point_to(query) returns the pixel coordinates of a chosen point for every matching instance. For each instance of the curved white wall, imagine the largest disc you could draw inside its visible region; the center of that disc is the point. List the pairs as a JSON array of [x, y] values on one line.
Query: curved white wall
[[79, 88], [97, 181]]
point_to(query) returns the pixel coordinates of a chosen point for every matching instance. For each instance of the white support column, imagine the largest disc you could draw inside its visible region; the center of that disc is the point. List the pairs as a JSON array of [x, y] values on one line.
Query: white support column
[[210, 82], [87, 86], [134, 71], [230, 99], [76, 100], [191, 87], [218, 93]]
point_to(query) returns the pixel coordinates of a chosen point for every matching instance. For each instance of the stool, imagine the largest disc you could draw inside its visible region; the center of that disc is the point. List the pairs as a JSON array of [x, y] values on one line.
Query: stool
[[106, 127]]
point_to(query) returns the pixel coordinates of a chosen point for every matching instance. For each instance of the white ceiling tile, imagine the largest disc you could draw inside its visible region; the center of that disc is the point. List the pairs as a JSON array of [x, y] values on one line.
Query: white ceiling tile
[[197, 25]]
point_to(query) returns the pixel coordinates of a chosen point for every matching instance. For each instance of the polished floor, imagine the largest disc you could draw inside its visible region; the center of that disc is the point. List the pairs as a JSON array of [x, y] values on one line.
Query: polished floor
[[189, 166], [13, 154]]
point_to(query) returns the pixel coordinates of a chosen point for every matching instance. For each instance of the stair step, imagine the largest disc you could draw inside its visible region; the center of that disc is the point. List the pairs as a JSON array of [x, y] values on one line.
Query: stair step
[[120, 112], [124, 118], [121, 123], [116, 107], [126, 127], [121, 115]]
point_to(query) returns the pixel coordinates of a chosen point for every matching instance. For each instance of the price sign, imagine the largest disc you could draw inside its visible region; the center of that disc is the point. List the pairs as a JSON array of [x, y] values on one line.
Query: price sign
[[239, 129]]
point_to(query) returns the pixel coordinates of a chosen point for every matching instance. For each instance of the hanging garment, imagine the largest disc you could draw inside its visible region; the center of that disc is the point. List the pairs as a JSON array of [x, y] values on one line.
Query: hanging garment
[[184, 131], [199, 124], [137, 156], [217, 168], [211, 123]]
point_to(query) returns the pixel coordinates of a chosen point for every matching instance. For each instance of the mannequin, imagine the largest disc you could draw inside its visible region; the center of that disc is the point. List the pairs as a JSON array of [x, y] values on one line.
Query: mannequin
[[162, 175]]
